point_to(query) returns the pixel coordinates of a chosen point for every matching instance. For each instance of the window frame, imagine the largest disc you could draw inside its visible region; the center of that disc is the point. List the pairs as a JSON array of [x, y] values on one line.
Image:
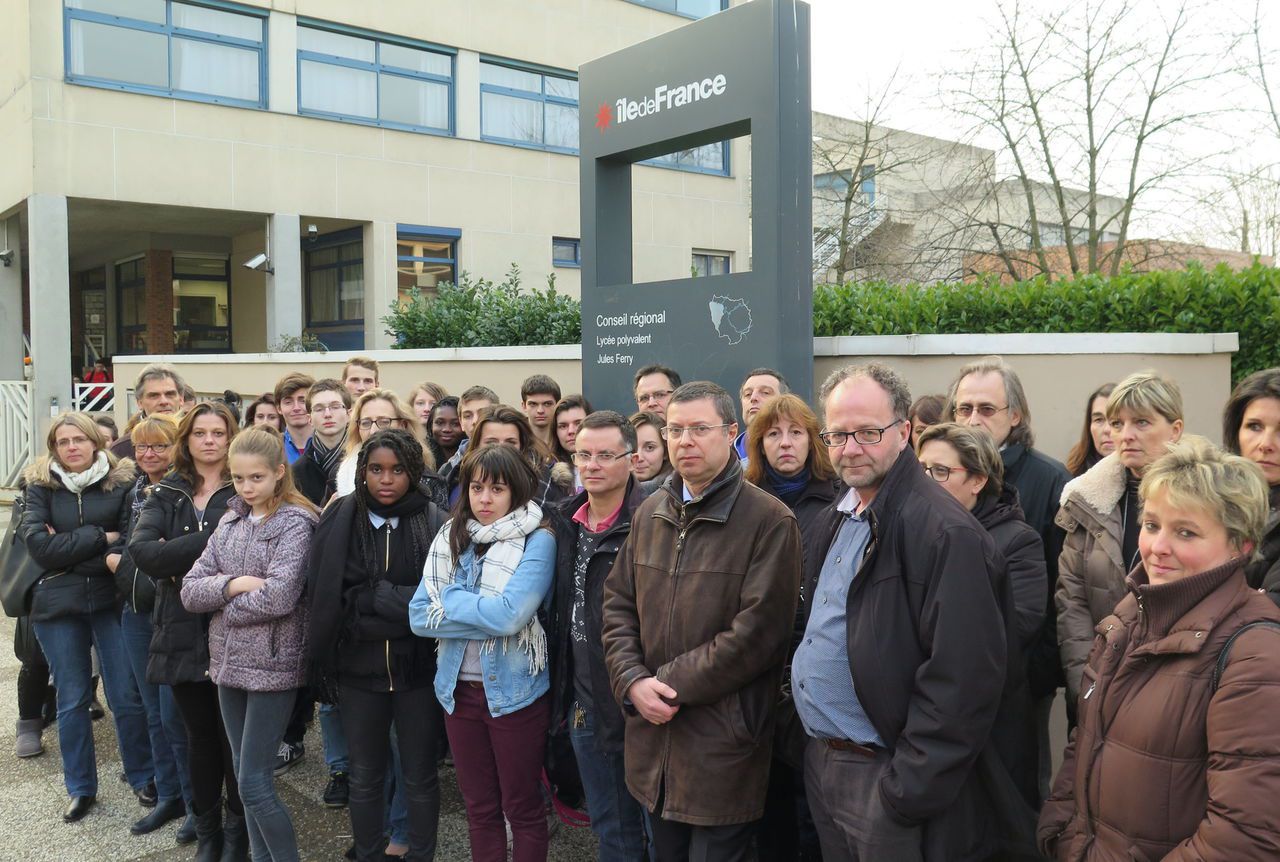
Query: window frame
[[174, 276], [708, 254], [543, 99], [378, 69], [576, 263], [411, 232], [124, 331], [652, 4], [169, 31], [349, 236], [695, 169]]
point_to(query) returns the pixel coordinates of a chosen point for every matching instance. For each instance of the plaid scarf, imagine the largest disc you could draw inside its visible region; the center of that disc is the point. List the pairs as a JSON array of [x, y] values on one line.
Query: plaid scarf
[[326, 457], [505, 538]]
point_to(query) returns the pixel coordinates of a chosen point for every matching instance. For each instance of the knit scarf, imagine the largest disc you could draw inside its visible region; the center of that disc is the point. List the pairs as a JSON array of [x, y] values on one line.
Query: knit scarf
[[787, 488], [78, 483], [505, 538], [326, 457]]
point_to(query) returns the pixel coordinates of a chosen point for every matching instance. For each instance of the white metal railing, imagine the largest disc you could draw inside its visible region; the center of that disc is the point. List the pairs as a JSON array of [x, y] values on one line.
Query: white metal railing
[[95, 397], [17, 431]]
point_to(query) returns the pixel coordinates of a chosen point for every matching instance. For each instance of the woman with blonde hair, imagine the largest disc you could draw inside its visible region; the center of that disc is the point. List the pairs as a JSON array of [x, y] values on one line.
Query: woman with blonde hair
[[1176, 754], [374, 411], [75, 513]]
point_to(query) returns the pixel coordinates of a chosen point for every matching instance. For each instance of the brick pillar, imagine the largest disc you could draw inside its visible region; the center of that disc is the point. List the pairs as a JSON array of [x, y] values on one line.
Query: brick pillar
[[159, 301]]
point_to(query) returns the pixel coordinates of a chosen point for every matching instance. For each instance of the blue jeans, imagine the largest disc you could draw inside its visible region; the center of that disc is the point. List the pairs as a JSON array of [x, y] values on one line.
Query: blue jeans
[[136, 632], [255, 722], [616, 817], [66, 643], [333, 738]]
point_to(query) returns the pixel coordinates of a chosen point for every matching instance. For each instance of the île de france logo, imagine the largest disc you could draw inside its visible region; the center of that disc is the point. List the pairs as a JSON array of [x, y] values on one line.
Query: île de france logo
[[603, 117], [665, 98]]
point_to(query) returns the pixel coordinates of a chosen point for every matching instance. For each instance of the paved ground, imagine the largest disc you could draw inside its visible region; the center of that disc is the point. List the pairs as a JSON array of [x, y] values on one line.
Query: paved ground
[[32, 798]]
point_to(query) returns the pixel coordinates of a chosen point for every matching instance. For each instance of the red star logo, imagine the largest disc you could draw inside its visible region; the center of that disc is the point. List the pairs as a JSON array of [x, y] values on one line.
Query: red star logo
[[604, 117]]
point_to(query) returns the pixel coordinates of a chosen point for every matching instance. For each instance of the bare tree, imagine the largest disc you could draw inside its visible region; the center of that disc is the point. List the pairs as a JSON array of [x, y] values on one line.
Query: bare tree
[[1089, 105]]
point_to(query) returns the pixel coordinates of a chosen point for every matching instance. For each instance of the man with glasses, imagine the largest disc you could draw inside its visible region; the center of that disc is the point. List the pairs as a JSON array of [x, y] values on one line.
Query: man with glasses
[[988, 394], [698, 615], [590, 529], [653, 387], [158, 389], [902, 667], [329, 405]]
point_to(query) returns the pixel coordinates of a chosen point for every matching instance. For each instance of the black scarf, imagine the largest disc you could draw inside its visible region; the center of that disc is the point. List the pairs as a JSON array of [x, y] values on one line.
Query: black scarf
[[326, 458]]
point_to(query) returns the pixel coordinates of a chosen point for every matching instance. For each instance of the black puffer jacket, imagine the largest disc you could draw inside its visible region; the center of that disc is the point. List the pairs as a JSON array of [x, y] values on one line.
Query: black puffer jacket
[[133, 586], [180, 640], [1023, 553], [77, 580], [1264, 572]]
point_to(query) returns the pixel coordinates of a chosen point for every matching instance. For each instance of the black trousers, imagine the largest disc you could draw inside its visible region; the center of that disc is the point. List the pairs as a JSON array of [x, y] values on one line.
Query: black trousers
[[208, 750], [366, 721], [681, 842], [303, 709]]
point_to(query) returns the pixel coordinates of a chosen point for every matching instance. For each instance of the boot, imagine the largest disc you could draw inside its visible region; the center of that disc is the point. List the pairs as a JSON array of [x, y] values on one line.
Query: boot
[[209, 834], [28, 743], [235, 838], [187, 831]]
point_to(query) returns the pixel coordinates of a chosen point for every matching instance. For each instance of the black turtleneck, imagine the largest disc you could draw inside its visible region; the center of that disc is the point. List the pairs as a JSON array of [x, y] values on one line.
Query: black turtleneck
[[1132, 520]]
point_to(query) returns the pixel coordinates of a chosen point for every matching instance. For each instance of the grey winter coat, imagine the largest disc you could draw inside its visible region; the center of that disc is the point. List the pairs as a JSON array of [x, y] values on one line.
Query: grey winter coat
[[257, 640]]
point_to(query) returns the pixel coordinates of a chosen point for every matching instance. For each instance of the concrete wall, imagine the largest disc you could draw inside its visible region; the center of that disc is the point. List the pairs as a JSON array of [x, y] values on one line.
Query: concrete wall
[[15, 106], [1058, 371]]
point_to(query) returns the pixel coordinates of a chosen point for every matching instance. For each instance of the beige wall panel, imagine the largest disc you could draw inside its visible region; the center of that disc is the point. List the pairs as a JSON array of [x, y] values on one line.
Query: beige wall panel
[[248, 295], [662, 181], [568, 281], [730, 230], [46, 38], [279, 130], [683, 221], [167, 169], [268, 179], [641, 217], [15, 46], [16, 146], [540, 206], [393, 191], [564, 170], [75, 159], [1057, 386], [490, 255], [469, 200], [75, 103], [428, 150], [660, 262], [515, 161]]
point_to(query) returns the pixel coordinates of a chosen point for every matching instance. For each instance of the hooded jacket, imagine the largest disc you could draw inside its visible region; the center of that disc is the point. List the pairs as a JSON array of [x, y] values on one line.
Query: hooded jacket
[[179, 639], [257, 640], [77, 580], [1023, 553], [1162, 766], [1091, 569], [703, 597]]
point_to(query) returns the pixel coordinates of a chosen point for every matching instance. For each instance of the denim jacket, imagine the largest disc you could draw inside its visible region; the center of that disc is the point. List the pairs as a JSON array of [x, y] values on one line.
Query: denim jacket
[[508, 685]]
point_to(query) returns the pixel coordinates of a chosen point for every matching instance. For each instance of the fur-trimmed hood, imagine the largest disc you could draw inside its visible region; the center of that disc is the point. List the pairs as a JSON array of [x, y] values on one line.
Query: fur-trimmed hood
[[1100, 488], [40, 473]]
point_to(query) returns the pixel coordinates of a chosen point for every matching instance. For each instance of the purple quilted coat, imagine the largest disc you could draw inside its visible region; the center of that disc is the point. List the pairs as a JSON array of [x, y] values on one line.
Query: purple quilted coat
[[257, 640]]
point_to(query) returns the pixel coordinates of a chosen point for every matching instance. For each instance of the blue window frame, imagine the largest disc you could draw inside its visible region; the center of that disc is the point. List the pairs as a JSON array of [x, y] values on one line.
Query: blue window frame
[[707, 263], [528, 106], [687, 8], [566, 251], [707, 159], [205, 50], [355, 76], [426, 257], [333, 268]]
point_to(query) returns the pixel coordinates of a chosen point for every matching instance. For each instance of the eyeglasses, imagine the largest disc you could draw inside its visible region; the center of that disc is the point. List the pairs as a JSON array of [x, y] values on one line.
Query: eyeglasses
[[941, 473], [604, 459], [654, 396], [71, 441], [675, 432], [319, 409], [157, 448], [862, 436], [986, 411], [383, 424]]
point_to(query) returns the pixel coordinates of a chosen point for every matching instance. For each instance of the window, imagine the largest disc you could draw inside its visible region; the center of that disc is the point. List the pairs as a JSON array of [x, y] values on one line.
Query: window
[[334, 285], [201, 304], [168, 48], [426, 257], [529, 107], [837, 184], [710, 263], [687, 8], [707, 159], [372, 80], [131, 305], [566, 252]]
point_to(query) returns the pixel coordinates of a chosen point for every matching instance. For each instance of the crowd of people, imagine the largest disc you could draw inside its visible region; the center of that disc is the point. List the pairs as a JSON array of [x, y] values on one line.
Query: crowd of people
[[725, 629]]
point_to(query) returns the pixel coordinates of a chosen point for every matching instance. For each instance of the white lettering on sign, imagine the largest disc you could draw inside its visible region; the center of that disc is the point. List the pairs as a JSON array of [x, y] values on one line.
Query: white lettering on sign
[[665, 97]]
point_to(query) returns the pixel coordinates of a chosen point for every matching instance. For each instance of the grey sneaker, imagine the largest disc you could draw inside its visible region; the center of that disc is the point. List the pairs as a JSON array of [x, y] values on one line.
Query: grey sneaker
[[29, 743], [288, 757]]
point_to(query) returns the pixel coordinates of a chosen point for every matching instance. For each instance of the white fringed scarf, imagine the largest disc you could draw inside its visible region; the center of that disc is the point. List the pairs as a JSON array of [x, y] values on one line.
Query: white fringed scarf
[[505, 538]]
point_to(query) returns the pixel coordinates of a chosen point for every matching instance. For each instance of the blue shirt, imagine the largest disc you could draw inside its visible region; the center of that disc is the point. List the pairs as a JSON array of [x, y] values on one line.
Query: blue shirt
[[292, 452], [821, 682]]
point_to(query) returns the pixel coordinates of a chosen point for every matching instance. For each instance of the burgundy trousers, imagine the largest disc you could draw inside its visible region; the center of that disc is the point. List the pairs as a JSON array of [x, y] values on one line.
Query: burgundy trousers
[[499, 768]]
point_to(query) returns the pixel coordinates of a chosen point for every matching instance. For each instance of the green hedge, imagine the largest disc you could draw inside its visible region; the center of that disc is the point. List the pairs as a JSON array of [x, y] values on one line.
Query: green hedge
[[1190, 300], [479, 313]]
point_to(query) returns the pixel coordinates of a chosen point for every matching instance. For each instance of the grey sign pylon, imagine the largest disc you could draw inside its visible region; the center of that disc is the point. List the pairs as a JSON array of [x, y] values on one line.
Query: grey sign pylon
[[743, 71]]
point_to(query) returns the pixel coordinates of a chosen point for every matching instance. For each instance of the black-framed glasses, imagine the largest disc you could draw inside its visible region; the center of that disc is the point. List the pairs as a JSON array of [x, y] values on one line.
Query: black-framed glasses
[[941, 472], [158, 448], [986, 411], [604, 459], [675, 432], [383, 424], [861, 436], [654, 396]]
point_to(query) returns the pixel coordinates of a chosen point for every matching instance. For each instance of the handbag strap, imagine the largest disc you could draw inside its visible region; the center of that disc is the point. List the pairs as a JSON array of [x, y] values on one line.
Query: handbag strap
[[1221, 667]]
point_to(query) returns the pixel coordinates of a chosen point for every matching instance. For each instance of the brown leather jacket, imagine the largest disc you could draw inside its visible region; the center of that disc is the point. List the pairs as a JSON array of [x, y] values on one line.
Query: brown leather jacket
[[1090, 569], [1161, 767], [703, 596]]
